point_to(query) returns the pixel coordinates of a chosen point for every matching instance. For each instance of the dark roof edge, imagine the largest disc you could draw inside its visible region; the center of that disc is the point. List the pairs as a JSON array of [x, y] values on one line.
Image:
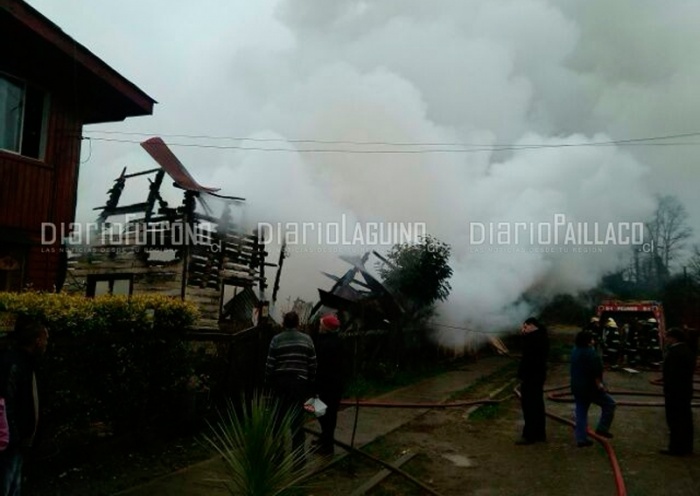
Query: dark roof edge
[[48, 30]]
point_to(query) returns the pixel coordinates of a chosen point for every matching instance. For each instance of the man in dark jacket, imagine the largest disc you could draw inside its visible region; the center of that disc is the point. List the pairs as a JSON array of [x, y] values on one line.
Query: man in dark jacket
[[678, 368], [329, 378], [290, 372], [587, 387], [18, 388], [532, 373]]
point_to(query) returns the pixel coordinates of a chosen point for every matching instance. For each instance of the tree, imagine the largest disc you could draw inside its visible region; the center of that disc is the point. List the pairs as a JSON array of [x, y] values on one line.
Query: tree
[[693, 267], [667, 233], [419, 272], [669, 229]]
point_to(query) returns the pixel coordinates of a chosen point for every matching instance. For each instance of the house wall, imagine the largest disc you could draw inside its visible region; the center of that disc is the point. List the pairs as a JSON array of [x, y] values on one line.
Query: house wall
[[80, 88], [147, 278], [161, 279], [36, 191]]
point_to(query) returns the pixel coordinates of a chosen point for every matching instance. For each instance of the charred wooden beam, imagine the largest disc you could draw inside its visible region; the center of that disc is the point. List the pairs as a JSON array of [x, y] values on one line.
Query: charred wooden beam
[[280, 262], [128, 209], [353, 281], [114, 194], [142, 173], [225, 197], [154, 194]]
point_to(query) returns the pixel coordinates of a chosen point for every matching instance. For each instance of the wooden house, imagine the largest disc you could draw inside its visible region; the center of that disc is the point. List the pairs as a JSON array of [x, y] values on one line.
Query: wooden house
[[50, 86], [197, 250]]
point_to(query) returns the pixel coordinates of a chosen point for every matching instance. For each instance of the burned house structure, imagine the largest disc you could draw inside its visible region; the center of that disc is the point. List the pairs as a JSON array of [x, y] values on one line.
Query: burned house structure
[[197, 251], [366, 303], [372, 318], [381, 322]]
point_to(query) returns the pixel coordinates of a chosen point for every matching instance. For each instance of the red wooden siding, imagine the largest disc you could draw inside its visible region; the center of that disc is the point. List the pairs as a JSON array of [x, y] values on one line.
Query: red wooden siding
[[26, 188], [37, 191], [81, 88]]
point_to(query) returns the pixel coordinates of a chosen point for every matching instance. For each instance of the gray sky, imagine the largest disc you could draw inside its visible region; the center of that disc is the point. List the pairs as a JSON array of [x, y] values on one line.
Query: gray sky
[[479, 72]]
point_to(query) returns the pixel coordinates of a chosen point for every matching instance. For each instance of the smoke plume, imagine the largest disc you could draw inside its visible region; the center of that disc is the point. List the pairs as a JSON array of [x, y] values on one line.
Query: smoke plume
[[483, 73]]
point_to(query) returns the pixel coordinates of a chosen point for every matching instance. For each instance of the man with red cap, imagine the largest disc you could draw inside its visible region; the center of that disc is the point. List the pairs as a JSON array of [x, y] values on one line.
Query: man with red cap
[[329, 378]]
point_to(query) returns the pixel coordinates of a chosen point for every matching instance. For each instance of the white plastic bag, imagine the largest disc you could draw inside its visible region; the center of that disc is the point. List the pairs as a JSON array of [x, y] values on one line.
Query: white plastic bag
[[316, 406]]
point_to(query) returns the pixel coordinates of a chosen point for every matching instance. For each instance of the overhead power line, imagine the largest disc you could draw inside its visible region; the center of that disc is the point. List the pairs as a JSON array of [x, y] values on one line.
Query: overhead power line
[[465, 147], [386, 143]]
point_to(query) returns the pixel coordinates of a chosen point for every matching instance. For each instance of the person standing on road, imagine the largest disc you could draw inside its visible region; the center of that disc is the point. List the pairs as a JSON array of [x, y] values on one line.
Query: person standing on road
[[329, 378], [678, 370], [18, 389], [290, 371], [532, 373], [588, 387]]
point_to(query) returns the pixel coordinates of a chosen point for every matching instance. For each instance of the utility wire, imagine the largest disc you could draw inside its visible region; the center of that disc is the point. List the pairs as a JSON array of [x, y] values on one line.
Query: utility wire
[[391, 143], [494, 148]]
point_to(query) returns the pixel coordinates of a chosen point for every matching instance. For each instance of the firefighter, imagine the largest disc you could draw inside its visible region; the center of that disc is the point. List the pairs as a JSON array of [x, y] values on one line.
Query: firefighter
[[653, 354], [596, 330], [612, 343], [632, 343]]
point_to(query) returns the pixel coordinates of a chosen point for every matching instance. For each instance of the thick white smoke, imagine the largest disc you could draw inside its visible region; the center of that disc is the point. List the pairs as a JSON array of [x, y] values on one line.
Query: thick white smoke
[[483, 72], [470, 73]]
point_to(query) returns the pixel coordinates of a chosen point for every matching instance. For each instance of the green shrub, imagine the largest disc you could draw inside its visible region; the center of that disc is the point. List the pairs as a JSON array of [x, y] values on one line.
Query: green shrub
[[112, 360], [251, 439]]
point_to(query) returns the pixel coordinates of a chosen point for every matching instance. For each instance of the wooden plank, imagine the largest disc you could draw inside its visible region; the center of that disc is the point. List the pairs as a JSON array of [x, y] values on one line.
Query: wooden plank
[[128, 209], [381, 475], [142, 173]]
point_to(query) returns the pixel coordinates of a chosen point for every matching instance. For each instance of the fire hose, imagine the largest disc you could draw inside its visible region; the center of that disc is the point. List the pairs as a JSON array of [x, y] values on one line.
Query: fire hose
[[617, 472], [553, 395]]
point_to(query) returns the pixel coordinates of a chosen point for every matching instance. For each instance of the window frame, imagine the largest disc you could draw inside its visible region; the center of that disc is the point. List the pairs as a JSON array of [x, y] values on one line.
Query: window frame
[[39, 97], [93, 279]]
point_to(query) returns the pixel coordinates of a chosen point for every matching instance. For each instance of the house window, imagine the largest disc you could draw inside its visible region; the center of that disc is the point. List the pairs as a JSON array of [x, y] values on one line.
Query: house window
[[113, 284], [22, 117]]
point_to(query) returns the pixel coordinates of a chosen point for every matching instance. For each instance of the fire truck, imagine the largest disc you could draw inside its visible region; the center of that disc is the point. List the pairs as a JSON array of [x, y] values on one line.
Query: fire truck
[[627, 314], [624, 312]]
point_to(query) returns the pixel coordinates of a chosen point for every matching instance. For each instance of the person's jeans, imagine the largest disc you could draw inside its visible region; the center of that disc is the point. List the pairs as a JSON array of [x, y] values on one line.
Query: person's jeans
[[10, 474], [607, 413]]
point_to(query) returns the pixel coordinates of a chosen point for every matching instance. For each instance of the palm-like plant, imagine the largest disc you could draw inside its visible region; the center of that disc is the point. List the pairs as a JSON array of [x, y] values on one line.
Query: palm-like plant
[[252, 440]]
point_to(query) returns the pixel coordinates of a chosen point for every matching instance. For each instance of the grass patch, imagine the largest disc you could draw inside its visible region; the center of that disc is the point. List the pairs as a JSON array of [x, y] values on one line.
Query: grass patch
[[486, 412], [485, 384], [384, 378]]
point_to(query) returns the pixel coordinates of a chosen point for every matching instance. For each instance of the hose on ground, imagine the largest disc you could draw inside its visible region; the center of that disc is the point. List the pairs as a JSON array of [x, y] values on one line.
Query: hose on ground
[[612, 457]]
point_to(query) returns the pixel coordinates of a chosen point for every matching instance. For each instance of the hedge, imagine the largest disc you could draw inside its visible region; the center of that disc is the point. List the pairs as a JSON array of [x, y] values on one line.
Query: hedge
[[114, 362]]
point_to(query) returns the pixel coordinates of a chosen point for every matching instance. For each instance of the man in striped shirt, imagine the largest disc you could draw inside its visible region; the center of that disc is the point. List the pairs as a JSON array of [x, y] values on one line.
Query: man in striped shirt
[[290, 372]]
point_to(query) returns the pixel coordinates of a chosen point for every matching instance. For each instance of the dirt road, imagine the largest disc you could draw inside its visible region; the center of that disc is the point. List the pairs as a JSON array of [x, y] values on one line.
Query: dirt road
[[460, 451]]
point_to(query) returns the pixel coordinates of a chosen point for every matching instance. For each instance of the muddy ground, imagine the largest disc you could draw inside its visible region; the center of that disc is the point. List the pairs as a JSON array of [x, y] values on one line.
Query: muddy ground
[[461, 454], [461, 451]]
